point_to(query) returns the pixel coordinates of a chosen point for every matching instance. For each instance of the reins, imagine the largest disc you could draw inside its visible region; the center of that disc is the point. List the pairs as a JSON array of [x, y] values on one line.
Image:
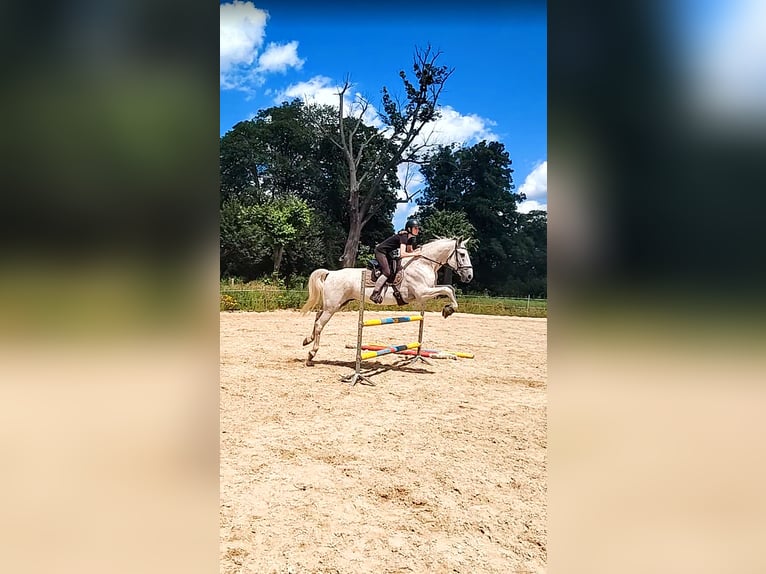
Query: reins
[[439, 263]]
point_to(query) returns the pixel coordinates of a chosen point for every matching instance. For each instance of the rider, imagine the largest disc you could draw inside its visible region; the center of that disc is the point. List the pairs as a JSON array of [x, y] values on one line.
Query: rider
[[388, 251]]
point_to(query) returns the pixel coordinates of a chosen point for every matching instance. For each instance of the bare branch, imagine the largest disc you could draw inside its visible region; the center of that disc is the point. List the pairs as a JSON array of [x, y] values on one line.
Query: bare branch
[[401, 143], [408, 197], [341, 95]]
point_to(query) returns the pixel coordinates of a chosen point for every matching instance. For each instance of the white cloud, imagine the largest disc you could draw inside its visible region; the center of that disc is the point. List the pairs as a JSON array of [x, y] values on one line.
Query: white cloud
[[454, 127], [318, 90], [411, 181], [242, 30], [277, 58], [535, 186], [531, 205], [410, 178], [451, 127], [243, 27], [402, 214], [323, 91]]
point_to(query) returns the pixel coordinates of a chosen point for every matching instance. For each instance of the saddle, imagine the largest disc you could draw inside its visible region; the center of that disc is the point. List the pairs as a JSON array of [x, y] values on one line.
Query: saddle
[[372, 273]]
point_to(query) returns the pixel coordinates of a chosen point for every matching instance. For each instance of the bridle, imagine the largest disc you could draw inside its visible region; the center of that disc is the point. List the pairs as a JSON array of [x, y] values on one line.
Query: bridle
[[457, 268]]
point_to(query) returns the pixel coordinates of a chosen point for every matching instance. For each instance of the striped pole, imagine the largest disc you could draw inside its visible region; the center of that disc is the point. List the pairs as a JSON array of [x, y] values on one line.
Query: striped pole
[[387, 350], [392, 320], [411, 352], [462, 355]]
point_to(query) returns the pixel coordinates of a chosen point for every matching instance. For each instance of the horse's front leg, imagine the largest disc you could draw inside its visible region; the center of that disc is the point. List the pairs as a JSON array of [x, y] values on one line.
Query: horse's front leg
[[442, 291]]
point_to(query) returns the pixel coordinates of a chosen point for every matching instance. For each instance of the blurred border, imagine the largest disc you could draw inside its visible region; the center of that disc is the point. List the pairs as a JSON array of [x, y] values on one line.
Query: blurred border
[[656, 273], [108, 287]]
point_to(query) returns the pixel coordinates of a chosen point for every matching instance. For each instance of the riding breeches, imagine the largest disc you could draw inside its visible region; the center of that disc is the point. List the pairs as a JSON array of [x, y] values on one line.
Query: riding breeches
[[387, 266]]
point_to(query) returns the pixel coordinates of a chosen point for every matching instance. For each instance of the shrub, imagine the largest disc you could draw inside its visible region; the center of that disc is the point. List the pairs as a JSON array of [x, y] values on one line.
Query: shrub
[[229, 303]]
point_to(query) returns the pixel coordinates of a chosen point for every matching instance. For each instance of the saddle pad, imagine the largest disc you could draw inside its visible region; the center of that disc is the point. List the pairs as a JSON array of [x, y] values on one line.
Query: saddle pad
[[368, 282]]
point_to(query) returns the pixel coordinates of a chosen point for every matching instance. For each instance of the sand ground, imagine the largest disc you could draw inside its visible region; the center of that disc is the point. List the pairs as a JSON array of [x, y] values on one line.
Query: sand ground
[[437, 468]]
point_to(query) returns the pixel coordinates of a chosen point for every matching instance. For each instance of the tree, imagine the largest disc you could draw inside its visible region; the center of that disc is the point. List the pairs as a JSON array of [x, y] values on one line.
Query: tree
[[242, 249], [444, 223], [273, 155], [530, 255], [284, 152], [282, 221], [396, 145], [240, 164], [478, 181]]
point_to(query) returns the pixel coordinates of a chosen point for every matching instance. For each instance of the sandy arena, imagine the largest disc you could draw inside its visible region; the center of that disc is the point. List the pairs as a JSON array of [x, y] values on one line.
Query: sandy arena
[[437, 468]]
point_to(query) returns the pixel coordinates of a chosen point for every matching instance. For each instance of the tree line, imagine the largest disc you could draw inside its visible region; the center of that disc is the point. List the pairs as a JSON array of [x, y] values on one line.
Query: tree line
[[307, 186]]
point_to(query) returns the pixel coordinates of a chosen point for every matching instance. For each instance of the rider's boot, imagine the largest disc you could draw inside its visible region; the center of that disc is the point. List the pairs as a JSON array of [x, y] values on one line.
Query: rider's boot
[[376, 297]]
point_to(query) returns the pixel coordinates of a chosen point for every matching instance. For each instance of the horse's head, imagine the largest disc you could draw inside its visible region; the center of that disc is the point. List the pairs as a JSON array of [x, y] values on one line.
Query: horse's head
[[460, 261], [451, 252]]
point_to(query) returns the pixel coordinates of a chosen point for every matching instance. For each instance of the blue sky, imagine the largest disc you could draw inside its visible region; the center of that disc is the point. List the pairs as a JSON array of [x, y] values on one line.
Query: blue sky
[[274, 51]]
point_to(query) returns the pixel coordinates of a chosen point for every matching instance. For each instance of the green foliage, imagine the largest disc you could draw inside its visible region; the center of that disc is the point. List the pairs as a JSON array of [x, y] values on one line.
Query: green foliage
[[283, 219], [288, 205], [364, 254], [509, 256], [265, 299], [273, 155], [284, 192], [444, 223], [274, 281], [243, 251], [258, 296]]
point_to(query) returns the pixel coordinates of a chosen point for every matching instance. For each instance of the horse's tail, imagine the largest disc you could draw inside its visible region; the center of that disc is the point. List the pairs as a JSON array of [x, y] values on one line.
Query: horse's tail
[[316, 289]]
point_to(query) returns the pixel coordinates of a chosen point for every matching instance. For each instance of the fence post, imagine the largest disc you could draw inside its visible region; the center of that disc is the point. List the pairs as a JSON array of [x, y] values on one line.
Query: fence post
[[528, 302]]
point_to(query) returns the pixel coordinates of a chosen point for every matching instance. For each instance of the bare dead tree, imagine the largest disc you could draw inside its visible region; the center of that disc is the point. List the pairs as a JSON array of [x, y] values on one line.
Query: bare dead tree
[[404, 119]]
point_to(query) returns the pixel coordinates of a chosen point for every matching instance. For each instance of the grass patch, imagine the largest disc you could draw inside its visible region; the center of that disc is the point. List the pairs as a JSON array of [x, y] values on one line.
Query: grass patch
[[270, 298]]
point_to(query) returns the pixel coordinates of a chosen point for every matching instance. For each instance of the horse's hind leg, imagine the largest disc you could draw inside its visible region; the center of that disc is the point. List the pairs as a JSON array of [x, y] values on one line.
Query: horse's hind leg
[[310, 338], [322, 319]]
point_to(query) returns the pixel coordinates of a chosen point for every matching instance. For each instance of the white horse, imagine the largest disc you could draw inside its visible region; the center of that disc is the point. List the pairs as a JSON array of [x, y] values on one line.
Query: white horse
[[333, 289]]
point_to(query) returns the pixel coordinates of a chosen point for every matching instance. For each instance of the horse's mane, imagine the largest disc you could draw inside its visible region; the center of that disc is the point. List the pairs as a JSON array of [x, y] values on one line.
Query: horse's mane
[[440, 240]]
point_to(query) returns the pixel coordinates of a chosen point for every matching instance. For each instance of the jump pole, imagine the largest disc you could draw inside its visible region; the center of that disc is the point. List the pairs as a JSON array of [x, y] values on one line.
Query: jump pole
[[357, 374], [386, 350], [425, 352], [392, 320]]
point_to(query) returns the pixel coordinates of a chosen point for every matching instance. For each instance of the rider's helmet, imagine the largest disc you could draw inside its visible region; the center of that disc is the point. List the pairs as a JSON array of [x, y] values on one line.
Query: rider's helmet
[[412, 222]]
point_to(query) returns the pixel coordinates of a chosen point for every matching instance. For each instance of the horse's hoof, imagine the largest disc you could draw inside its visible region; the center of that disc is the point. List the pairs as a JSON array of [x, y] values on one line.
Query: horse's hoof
[[309, 361], [447, 311], [306, 341]]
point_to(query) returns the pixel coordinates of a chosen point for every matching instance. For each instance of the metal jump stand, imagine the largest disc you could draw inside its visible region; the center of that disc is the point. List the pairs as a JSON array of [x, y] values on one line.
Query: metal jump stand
[[357, 375]]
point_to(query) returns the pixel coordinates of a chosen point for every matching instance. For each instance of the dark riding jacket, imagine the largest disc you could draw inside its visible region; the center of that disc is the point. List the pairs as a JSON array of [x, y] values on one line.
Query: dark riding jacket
[[387, 252], [396, 242]]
